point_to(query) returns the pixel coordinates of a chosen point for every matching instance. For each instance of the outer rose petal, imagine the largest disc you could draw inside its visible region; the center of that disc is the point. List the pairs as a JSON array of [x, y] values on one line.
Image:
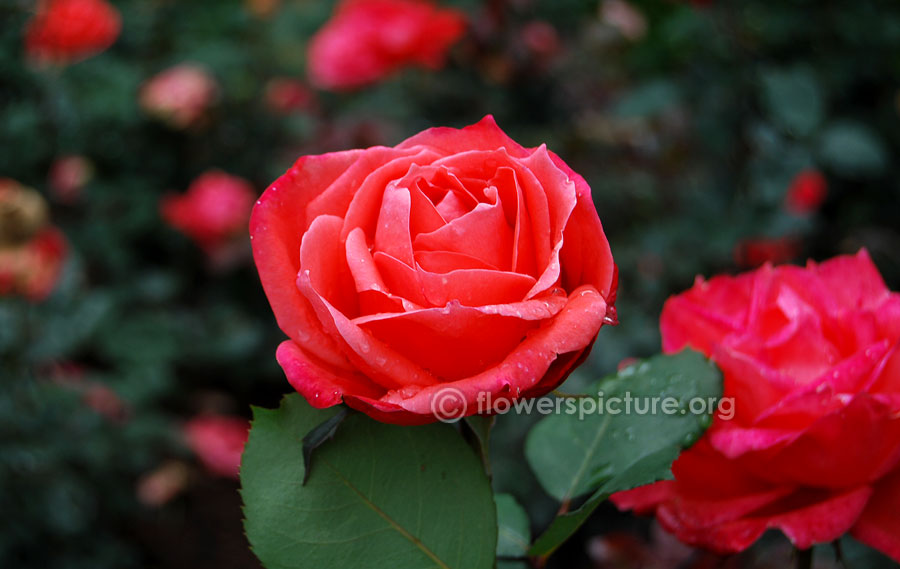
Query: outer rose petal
[[277, 225], [879, 524], [483, 135], [572, 330], [819, 521], [320, 386]]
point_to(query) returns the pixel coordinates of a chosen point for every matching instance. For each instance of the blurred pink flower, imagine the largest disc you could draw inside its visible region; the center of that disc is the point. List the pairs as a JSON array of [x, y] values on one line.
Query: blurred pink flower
[[624, 17], [367, 40], [160, 485], [214, 211], [179, 95], [218, 441], [66, 31], [68, 176]]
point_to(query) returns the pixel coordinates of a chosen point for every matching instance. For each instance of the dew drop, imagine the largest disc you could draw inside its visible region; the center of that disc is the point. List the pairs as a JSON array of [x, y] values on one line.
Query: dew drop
[[611, 318]]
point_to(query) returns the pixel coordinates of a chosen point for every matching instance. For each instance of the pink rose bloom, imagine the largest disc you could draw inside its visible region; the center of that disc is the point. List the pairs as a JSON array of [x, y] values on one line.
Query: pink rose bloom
[[811, 358], [368, 40], [179, 95], [218, 441], [68, 176]]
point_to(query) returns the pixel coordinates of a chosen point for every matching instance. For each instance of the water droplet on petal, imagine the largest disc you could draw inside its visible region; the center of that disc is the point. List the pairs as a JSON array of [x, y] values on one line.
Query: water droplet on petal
[[612, 317]]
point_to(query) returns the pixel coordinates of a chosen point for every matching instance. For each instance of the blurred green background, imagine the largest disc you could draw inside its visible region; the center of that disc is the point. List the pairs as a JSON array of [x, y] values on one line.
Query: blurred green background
[[688, 120]]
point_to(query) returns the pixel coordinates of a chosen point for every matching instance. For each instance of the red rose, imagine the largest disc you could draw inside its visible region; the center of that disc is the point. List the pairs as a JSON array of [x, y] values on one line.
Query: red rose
[[218, 442], [810, 357], [179, 95], [367, 40], [456, 259], [213, 212], [66, 31], [806, 192]]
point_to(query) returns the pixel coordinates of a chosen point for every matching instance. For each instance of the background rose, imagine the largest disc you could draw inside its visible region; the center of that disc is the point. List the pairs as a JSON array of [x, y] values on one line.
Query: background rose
[[457, 258], [811, 357], [367, 40], [218, 441], [65, 31], [179, 95], [214, 210]]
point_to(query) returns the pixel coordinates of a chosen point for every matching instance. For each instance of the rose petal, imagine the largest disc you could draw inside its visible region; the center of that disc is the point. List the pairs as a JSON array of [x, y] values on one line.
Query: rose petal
[[571, 330], [446, 261], [879, 524], [822, 521], [363, 186], [434, 338], [481, 233], [706, 313], [483, 135], [474, 287], [324, 259], [369, 355], [392, 235], [320, 386], [851, 281], [820, 457], [277, 225], [585, 256]]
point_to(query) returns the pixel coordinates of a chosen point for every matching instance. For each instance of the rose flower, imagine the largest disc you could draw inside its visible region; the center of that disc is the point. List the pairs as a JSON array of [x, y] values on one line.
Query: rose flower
[[180, 95], [213, 212], [67, 31], [367, 40], [810, 357], [457, 259], [218, 441]]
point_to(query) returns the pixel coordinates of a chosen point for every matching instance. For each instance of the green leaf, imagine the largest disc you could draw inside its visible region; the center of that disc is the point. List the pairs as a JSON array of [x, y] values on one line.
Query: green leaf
[[649, 469], [793, 99], [379, 496], [852, 149], [606, 452], [513, 527], [572, 455]]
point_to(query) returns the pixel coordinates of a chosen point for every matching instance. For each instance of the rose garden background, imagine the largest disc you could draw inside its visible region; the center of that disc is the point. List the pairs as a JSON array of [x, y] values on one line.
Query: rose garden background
[[716, 136]]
